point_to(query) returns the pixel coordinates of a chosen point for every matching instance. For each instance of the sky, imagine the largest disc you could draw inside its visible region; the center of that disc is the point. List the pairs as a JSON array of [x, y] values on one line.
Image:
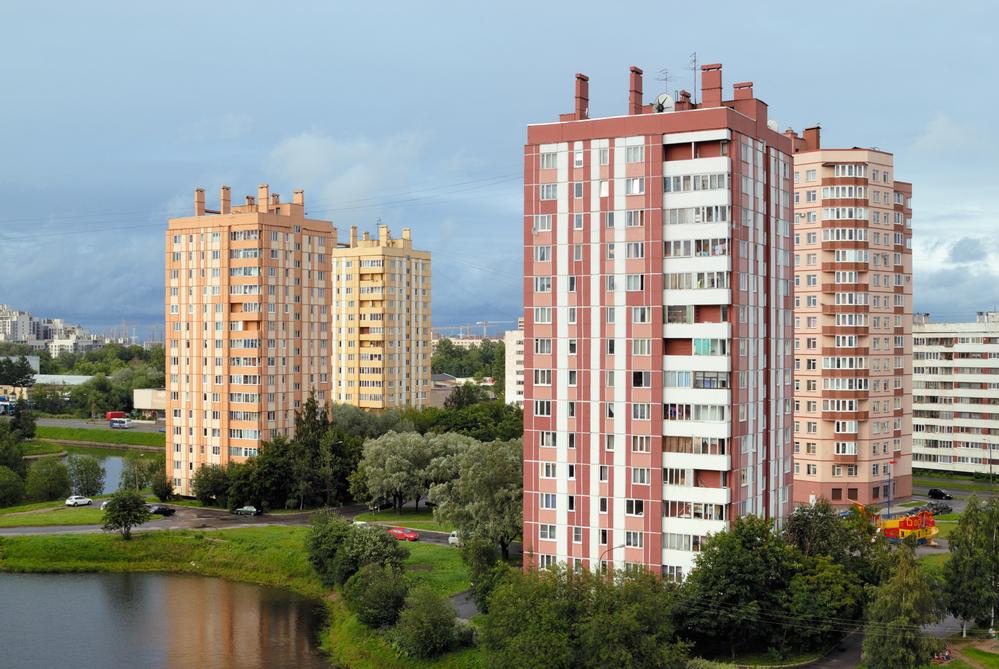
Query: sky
[[415, 114]]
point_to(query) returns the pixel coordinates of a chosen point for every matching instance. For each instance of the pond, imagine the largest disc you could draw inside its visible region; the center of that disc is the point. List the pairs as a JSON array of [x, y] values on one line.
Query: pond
[[154, 621]]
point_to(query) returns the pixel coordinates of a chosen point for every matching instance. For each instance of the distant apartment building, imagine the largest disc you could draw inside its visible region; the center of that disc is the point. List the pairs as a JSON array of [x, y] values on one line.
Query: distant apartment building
[[51, 334], [955, 394], [381, 321], [853, 325], [248, 326], [513, 360], [658, 331]]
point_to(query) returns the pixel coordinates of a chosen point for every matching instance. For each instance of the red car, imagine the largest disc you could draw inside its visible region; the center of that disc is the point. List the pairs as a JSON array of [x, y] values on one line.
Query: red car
[[402, 534]]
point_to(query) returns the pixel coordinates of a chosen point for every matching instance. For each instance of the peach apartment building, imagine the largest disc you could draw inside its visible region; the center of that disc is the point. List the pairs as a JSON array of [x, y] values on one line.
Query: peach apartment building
[[381, 321], [852, 325], [248, 326]]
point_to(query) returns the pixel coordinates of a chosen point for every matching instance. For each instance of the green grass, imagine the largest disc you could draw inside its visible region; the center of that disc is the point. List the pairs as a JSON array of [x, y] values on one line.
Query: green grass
[[273, 556], [933, 563], [965, 485], [42, 447], [82, 515], [439, 567], [911, 504], [417, 520], [984, 658], [33, 506], [102, 436]]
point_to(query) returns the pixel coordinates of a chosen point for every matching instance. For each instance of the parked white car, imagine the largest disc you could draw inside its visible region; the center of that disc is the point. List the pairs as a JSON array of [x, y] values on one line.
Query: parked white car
[[79, 500], [454, 539]]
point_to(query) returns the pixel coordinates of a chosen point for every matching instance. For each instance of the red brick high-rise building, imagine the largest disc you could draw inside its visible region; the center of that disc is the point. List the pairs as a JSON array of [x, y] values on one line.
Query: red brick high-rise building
[[658, 327]]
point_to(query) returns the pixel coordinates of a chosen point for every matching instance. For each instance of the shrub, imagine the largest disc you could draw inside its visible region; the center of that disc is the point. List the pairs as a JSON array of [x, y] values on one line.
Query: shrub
[[162, 487], [426, 625], [328, 532], [47, 479], [376, 594], [366, 545], [126, 509], [11, 487]]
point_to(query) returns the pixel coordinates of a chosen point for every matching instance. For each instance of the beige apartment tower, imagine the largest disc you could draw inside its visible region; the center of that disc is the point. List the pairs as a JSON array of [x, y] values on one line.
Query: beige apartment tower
[[248, 326], [380, 321], [852, 325]]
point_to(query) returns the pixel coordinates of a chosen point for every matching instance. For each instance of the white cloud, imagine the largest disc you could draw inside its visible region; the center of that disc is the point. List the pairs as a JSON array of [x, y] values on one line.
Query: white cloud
[[944, 135]]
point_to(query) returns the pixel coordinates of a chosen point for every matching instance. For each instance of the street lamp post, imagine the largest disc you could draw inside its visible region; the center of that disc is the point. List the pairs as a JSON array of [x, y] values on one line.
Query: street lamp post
[[600, 559]]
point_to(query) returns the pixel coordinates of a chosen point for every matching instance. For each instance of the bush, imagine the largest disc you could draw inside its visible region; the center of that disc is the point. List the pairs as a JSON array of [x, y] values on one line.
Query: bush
[[47, 479], [485, 571], [210, 485], [328, 532], [162, 487], [366, 545], [376, 594], [11, 487], [426, 625]]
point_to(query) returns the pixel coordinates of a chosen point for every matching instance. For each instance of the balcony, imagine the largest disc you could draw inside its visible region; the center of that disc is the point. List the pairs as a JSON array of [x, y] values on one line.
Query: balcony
[[682, 493]]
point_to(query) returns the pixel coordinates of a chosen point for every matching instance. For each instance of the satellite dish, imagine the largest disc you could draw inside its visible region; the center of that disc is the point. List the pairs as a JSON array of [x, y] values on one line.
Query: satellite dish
[[664, 103], [773, 125]]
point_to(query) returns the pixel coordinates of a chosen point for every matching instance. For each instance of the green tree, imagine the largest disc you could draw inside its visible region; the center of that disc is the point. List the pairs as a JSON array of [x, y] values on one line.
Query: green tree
[[11, 487], [743, 572], [967, 574], [376, 594], [465, 395], [272, 481], [245, 486], [486, 498], [210, 485], [18, 373], [822, 595], [125, 509], [161, 484], [481, 557], [391, 467], [327, 532], [47, 480], [426, 626], [12, 450], [817, 529], [135, 471], [85, 474], [23, 421], [339, 457], [899, 609]]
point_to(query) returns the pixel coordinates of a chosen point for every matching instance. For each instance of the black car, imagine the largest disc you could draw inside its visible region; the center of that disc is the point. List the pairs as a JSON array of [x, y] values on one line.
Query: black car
[[937, 508], [160, 510], [937, 493]]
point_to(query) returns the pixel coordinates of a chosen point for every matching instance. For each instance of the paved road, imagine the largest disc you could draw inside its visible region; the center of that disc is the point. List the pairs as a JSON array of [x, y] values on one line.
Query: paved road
[[845, 656], [91, 424]]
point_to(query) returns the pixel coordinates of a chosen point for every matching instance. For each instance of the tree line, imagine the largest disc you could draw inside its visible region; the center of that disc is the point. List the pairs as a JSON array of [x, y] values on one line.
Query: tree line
[[480, 361], [340, 453]]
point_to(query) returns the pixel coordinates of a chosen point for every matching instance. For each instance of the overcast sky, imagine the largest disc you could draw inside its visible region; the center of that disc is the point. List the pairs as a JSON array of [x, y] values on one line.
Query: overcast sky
[[415, 113]]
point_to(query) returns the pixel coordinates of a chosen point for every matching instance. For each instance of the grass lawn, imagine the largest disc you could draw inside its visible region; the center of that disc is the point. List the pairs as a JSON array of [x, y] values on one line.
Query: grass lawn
[[911, 504], [439, 567], [42, 447], [984, 658], [81, 515], [272, 556], [417, 520], [965, 485], [102, 436], [934, 562]]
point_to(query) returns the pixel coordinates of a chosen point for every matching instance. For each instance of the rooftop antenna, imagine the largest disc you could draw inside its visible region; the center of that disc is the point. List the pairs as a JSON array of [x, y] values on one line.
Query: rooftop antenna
[[693, 68]]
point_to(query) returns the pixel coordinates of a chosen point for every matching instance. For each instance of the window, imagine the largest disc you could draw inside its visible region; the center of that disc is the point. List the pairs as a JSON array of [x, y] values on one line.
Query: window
[[641, 314], [542, 253], [634, 154], [577, 158], [543, 223], [547, 532], [548, 161], [577, 189], [634, 186], [641, 475], [641, 347], [549, 191], [547, 500], [633, 539], [641, 443], [542, 408], [543, 346]]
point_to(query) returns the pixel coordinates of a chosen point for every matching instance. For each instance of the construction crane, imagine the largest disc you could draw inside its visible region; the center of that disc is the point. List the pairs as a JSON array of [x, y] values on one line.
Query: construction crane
[[485, 326]]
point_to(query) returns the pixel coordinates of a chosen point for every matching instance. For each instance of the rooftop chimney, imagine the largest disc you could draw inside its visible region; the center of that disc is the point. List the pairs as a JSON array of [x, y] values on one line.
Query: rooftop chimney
[[225, 200], [199, 201], [353, 236], [711, 85], [683, 102], [743, 90], [407, 233], [298, 197], [275, 200], [582, 96], [262, 197], [250, 200], [813, 139], [635, 91], [383, 234]]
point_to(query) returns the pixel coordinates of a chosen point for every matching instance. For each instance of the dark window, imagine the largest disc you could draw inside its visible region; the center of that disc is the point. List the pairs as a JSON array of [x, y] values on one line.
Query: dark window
[[851, 493], [837, 493], [876, 492]]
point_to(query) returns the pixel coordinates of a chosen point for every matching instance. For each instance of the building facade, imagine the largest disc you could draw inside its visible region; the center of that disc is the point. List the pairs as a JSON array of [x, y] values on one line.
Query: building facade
[[853, 325], [513, 365], [657, 292], [247, 326], [955, 395], [381, 321]]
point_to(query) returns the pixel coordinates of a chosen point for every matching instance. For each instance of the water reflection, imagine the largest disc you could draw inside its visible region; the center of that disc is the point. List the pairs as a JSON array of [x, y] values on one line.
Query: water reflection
[[154, 621]]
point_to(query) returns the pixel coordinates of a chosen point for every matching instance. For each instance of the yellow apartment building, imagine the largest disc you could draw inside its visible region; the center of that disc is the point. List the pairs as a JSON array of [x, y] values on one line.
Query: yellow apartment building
[[381, 291]]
